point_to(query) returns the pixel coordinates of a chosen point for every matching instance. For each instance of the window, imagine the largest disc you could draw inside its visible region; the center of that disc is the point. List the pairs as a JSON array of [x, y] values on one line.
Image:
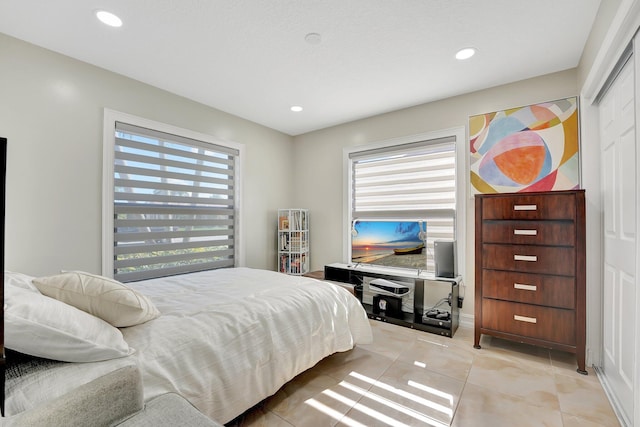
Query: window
[[412, 179], [174, 204]]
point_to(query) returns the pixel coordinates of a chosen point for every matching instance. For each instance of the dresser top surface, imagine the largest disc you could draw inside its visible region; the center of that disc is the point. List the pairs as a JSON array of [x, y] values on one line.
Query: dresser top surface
[[531, 193]]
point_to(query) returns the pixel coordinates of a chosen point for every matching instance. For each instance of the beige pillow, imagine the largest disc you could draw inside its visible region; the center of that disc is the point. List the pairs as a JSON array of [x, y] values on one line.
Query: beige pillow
[[100, 296], [45, 327]]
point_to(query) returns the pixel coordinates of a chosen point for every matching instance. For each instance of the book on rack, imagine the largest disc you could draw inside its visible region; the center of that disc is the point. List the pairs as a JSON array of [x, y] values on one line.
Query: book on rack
[[283, 222]]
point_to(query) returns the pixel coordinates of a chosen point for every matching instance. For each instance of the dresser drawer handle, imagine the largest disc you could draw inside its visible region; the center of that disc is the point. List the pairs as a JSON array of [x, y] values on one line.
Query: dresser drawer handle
[[532, 258], [525, 207], [525, 319], [519, 232], [525, 287]]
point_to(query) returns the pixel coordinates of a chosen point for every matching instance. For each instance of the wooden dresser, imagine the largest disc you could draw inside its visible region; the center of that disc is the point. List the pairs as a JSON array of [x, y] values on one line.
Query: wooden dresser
[[530, 269]]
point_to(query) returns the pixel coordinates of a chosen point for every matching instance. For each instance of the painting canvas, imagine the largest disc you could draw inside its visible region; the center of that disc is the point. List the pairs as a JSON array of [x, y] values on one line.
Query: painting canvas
[[532, 148]]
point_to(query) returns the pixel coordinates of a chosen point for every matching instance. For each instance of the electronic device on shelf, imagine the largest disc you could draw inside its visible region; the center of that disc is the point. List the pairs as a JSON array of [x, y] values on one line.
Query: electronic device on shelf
[[388, 306], [437, 317], [437, 314], [388, 287], [445, 258]]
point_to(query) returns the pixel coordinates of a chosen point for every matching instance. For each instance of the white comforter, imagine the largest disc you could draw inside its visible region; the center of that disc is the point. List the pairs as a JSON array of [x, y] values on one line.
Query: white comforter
[[229, 338]]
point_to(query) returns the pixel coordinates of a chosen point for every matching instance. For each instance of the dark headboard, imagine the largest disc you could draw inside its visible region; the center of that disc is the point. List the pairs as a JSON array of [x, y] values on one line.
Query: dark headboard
[[3, 170]]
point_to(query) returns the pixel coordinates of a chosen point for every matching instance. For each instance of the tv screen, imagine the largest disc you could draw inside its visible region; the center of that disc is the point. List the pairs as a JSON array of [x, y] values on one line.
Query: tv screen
[[389, 243]]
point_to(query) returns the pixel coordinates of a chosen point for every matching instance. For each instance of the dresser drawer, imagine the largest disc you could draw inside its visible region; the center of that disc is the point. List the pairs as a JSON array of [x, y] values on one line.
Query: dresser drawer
[[555, 233], [530, 206], [549, 324], [554, 291], [553, 260]]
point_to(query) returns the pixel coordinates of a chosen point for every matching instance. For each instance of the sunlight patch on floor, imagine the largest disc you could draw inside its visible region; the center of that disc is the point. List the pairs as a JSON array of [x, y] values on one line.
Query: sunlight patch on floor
[[425, 402], [431, 390], [383, 402], [333, 413], [390, 404]]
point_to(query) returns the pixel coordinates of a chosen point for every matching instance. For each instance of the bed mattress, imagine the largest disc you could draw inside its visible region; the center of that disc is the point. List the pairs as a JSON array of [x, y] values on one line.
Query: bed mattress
[[244, 334]]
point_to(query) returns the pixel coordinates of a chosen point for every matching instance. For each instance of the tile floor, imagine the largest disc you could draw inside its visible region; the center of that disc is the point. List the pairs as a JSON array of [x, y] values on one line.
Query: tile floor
[[413, 378]]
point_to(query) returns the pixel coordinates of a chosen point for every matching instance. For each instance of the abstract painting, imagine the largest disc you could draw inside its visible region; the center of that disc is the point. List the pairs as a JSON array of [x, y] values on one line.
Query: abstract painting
[[532, 148]]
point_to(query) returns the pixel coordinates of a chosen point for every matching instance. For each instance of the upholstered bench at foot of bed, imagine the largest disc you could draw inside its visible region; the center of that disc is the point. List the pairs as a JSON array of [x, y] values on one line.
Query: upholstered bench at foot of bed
[[102, 402], [169, 409], [114, 399]]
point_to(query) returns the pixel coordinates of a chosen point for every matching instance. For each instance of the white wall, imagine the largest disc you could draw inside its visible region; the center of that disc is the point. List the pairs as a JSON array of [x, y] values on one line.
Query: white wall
[[606, 13], [51, 111], [318, 157]]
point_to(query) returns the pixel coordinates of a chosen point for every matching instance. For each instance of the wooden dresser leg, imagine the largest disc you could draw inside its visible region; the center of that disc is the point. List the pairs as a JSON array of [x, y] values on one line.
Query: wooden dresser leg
[[476, 343], [580, 358]]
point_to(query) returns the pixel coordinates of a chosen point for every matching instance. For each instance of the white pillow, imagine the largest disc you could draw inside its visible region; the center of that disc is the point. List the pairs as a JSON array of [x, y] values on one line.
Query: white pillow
[[105, 298], [20, 280], [41, 326]]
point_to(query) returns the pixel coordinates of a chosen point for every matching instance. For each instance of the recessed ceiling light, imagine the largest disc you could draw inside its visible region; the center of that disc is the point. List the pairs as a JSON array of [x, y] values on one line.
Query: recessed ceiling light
[[465, 53], [296, 108], [313, 38], [108, 18]]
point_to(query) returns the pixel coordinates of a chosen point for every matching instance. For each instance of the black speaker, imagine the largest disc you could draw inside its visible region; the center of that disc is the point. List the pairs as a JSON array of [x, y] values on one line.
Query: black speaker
[[444, 254]]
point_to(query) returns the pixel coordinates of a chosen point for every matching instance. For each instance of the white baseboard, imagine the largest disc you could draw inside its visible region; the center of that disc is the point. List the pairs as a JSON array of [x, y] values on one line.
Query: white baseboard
[[466, 320]]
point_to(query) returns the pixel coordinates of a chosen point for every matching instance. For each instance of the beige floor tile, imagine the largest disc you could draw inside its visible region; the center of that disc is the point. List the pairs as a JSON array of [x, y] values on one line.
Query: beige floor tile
[[317, 400], [565, 363], [464, 333], [480, 407], [440, 356], [299, 389], [365, 362], [408, 377], [463, 337], [530, 354], [260, 417], [389, 340], [574, 421], [508, 375], [584, 398], [410, 395]]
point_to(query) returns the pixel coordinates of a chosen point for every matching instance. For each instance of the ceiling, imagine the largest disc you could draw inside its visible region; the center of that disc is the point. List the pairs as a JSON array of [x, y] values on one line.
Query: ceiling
[[250, 57]]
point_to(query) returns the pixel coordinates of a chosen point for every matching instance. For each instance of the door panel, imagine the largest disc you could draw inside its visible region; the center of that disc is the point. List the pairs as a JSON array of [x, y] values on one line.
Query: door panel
[[618, 149], [608, 314]]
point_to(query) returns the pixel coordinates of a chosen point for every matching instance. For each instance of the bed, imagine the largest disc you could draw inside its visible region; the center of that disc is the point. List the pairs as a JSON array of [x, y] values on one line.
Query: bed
[[224, 339]]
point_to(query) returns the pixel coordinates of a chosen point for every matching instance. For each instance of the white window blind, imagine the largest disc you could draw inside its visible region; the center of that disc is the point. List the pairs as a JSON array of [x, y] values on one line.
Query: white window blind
[[174, 204], [415, 180]]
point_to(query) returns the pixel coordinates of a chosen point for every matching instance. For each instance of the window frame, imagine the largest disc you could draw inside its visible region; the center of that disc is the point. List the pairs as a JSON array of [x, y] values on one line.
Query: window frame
[[109, 130], [459, 134]]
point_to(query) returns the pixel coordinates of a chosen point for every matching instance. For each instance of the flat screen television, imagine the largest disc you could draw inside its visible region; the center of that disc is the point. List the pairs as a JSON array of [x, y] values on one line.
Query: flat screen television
[[389, 243]]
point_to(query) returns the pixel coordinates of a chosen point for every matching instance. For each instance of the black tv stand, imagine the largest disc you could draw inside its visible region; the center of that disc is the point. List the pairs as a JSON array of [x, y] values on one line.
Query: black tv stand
[[428, 291]]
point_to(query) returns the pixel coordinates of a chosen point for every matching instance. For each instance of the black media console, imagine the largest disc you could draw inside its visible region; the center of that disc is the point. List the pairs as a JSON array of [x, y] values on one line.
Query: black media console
[[432, 306]]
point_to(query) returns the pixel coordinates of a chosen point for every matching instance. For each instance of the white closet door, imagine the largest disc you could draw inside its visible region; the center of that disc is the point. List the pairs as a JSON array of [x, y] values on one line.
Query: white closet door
[[618, 149]]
